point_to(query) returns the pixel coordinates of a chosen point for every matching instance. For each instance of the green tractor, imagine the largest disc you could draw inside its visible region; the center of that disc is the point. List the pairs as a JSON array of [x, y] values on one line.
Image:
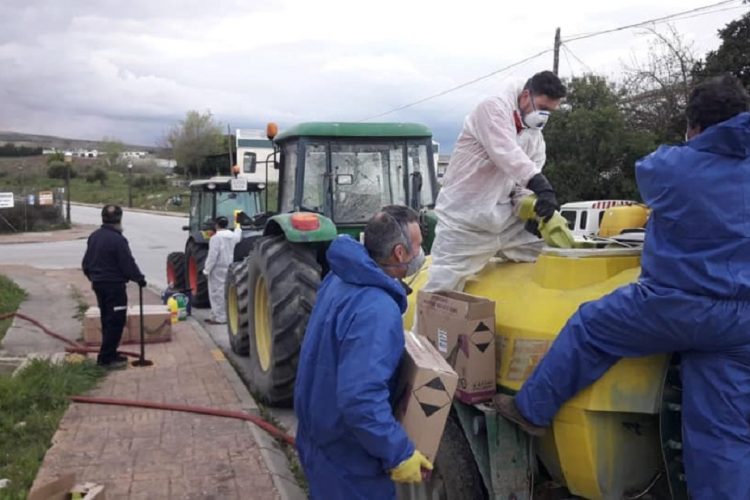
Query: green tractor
[[209, 199], [333, 177]]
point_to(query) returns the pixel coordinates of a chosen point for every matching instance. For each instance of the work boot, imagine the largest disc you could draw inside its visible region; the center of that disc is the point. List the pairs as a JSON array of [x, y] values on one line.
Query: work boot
[[506, 406], [114, 365], [121, 358]]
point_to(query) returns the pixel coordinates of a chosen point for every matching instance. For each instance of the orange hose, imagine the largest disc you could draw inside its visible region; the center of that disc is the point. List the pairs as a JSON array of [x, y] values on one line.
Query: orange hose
[[202, 410]]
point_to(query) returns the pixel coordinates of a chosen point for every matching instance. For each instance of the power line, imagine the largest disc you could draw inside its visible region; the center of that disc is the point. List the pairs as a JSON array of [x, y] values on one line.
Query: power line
[[569, 51], [686, 14], [584, 36], [457, 87]]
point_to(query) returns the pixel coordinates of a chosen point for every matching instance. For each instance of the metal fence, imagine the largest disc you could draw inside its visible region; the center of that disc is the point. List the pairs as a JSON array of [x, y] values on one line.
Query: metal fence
[[33, 210]]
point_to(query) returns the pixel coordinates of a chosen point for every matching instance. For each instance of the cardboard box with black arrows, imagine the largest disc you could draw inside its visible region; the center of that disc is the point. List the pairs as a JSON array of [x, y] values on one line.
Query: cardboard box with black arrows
[[426, 387], [462, 328]]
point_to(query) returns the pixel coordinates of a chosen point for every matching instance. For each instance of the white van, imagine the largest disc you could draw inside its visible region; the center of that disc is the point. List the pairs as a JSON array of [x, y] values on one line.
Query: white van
[[254, 153], [584, 217]]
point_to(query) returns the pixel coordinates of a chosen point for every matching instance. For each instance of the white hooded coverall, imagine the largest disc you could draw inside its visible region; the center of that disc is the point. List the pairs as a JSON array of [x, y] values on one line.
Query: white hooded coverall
[[220, 255], [490, 166]]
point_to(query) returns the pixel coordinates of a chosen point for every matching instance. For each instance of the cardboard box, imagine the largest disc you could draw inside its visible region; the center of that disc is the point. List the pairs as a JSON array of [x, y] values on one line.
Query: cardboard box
[[92, 328], [462, 328], [426, 387], [156, 323]]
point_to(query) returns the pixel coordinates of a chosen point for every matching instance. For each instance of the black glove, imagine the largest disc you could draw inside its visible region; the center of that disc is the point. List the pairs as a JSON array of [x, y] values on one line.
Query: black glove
[[546, 201], [142, 283], [532, 226]]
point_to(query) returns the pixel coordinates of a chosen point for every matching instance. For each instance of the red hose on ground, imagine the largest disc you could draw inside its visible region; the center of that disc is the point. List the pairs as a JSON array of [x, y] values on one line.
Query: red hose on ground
[[202, 410], [75, 347]]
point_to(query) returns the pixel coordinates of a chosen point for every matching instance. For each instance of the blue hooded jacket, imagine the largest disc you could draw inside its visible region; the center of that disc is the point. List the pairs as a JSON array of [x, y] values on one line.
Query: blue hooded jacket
[[698, 235], [346, 378]]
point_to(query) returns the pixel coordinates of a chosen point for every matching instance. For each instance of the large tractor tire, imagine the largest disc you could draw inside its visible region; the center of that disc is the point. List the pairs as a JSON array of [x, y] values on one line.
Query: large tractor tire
[[456, 475], [176, 270], [195, 259], [238, 311], [283, 282]]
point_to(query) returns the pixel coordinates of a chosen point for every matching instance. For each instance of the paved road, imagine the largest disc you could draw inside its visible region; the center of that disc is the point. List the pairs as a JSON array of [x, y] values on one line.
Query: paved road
[[151, 238]]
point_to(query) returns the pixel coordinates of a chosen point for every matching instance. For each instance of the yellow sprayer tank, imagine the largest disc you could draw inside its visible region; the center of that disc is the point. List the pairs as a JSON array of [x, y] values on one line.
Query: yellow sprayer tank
[[605, 441]]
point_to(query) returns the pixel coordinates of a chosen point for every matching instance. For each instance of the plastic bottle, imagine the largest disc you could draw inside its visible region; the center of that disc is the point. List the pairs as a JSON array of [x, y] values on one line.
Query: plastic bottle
[[181, 306], [173, 310]]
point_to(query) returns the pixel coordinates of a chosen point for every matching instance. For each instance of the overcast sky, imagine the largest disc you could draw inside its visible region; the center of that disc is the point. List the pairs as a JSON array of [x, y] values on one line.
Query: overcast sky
[[89, 69]]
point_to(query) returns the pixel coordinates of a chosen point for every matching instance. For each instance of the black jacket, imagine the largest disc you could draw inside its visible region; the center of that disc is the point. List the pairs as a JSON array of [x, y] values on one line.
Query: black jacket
[[108, 258]]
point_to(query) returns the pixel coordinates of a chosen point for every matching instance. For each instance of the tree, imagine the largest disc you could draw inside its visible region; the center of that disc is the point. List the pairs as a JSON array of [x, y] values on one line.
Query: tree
[[113, 149], [659, 87], [591, 149], [56, 170], [98, 175], [732, 56], [194, 139]]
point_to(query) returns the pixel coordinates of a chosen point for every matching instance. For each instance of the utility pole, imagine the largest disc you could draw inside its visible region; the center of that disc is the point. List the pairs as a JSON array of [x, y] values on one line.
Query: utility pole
[[130, 184], [556, 62], [68, 163]]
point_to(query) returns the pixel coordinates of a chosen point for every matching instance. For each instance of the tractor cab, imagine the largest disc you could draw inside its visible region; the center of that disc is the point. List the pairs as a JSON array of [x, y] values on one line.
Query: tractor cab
[[348, 171], [222, 196]]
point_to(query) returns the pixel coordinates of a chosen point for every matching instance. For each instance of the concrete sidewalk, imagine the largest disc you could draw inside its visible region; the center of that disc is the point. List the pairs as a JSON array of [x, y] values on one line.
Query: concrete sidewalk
[[139, 453], [149, 454]]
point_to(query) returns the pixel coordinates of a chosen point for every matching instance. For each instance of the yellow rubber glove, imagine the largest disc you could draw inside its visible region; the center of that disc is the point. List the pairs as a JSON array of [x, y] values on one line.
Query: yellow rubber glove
[[410, 470]]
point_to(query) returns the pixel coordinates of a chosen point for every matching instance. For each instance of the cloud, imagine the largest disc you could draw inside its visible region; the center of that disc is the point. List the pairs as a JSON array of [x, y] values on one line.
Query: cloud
[[132, 69]]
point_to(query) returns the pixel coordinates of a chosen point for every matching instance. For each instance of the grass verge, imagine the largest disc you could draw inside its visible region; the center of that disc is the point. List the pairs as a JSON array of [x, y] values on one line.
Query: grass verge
[[11, 296], [31, 406]]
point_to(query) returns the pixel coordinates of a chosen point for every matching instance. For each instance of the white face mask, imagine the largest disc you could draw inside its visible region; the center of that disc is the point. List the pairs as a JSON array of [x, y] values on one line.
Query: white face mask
[[416, 263], [537, 119]]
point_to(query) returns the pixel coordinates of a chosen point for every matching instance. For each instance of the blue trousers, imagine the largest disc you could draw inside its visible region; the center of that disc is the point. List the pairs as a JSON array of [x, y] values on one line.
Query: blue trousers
[[330, 480], [713, 337]]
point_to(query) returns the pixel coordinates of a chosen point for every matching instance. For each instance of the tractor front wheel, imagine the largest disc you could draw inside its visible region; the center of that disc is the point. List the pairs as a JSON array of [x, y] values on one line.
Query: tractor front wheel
[[238, 307], [195, 260], [283, 279], [176, 270]]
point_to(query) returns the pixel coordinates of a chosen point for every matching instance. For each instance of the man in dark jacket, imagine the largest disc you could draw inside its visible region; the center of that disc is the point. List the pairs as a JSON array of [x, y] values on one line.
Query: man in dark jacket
[[349, 443], [109, 265], [693, 297]]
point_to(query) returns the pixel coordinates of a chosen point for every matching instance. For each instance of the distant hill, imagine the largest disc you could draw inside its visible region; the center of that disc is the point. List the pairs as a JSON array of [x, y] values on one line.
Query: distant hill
[[49, 141]]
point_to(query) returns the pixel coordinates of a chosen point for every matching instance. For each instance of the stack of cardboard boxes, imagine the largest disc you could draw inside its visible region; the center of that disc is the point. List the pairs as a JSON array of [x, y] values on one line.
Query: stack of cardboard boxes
[[453, 353], [462, 328], [157, 326]]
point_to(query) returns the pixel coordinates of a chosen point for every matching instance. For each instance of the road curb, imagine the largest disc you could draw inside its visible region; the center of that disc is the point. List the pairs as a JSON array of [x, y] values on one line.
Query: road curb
[[273, 457], [139, 210]]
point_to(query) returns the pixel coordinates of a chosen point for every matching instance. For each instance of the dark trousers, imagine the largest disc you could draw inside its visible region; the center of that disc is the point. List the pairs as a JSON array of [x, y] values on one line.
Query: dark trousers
[[112, 299]]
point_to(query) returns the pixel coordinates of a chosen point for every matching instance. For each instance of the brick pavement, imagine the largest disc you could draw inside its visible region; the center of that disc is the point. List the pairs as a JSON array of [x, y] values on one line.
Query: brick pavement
[[149, 454]]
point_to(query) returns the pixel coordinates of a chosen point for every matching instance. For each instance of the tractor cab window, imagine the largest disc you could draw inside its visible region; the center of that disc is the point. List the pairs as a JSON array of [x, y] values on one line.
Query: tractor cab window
[[365, 178], [206, 210], [314, 185], [288, 177], [227, 202], [418, 164]]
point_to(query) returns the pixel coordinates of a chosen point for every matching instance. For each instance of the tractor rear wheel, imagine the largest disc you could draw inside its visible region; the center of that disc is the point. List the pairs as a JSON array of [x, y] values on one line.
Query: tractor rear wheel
[[238, 307], [283, 282], [456, 474], [176, 270], [195, 259]]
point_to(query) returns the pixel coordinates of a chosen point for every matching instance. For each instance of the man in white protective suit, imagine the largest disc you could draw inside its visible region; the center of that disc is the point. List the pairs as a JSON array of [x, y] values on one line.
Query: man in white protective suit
[[220, 255], [497, 160]]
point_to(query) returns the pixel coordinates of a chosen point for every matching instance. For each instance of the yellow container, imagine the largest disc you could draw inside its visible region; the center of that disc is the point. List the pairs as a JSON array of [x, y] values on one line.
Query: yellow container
[[605, 440], [617, 219]]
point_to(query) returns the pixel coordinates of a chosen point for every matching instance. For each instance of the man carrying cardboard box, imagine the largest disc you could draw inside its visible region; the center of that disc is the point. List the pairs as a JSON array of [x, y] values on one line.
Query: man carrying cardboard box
[[349, 442]]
